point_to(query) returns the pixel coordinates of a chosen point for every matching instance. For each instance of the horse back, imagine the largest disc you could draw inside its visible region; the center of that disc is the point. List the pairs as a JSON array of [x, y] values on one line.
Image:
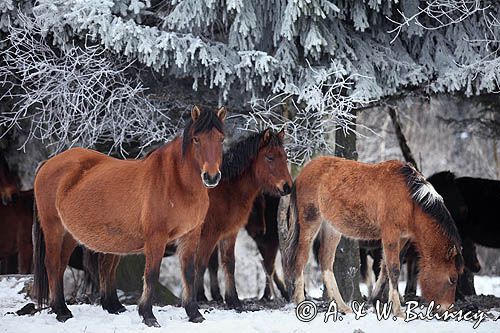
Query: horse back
[[357, 198]]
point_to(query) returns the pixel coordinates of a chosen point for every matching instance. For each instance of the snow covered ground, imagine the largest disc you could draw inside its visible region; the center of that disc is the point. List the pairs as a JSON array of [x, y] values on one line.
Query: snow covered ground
[[91, 318]]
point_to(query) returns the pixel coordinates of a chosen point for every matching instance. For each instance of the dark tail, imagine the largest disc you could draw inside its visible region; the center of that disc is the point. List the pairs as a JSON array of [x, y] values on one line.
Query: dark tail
[[40, 280], [289, 249]]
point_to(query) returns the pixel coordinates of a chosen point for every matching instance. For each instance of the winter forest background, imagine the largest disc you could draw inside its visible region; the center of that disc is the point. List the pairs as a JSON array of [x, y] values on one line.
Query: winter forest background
[[118, 76]]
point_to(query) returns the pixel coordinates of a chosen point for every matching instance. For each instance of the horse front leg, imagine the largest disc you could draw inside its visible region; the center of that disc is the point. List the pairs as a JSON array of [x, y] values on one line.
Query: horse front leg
[[187, 251], [268, 250], [228, 262], [108, 263], [153, 251], [206, 246]]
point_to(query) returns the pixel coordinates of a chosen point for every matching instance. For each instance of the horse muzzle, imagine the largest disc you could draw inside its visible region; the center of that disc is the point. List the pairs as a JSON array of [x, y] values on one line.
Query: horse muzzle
[[285, 189], [209, 180]]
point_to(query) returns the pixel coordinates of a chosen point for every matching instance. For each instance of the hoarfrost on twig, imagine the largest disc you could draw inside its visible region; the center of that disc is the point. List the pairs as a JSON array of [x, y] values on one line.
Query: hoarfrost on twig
[[75, 96]]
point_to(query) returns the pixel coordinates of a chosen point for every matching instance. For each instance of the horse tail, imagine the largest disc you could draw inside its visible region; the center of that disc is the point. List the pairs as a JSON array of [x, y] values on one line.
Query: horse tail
[[40, 279], [292, 236], [428, 199]]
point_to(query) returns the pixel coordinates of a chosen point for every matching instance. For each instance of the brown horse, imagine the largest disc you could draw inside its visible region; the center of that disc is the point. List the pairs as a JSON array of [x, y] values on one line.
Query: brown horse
[[9, 183], [262, 226], [16, 220], [127, 206], [255, 164], [390, 201]]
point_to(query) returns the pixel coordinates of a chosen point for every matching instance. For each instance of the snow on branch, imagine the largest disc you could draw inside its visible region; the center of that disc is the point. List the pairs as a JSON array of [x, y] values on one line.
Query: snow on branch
[[437, 14], [76, 96], [310, 113]]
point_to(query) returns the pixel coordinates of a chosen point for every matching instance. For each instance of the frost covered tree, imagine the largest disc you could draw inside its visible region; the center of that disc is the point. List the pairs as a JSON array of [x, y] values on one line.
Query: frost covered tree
[[305, 64], [253, 49]]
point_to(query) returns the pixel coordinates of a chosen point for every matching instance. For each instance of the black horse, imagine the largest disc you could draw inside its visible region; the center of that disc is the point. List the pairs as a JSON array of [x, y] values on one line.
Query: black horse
[[473, 203]]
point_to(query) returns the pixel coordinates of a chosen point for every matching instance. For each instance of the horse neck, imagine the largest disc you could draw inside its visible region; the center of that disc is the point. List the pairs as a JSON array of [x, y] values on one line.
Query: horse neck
[[244, 187], [429, 239], [175, 168]]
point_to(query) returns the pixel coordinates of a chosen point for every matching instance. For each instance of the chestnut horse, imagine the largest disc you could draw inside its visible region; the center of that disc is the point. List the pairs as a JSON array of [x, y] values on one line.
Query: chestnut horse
[[255, 164], [127, 206], [9, 183], [16, 220], [390, 201]]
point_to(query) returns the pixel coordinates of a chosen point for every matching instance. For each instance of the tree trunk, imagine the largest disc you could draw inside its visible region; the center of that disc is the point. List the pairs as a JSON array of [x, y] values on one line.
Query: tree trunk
[[403, 144], [346, 267]]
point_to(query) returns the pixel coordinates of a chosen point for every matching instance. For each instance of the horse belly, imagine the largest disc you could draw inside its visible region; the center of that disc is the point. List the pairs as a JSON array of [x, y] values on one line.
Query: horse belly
[[354, 223], [104, 230], [354, 227]]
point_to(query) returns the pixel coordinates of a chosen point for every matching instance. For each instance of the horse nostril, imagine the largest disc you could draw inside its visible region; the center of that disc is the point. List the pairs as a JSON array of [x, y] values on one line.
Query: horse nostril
[[211, 181], [15, 196]]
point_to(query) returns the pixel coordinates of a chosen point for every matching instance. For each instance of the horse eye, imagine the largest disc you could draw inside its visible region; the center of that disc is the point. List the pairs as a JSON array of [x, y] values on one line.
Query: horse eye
[[452, 280], [269, 158], [196, 140]]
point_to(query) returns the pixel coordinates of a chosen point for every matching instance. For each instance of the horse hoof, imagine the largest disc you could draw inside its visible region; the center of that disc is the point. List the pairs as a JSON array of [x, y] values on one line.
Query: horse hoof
[[114, 309], [151, 322], [218, 298], [197, 319], [202, 298], [234, 304], [63, 317], [117, 310]]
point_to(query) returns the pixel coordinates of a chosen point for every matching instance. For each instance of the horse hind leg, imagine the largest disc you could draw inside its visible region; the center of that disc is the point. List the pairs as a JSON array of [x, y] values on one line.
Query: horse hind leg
[[108, 263], [330, 239], [58, 247]]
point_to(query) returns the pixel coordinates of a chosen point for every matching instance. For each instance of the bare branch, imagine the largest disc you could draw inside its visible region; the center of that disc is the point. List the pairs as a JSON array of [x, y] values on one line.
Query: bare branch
[[76, 96]]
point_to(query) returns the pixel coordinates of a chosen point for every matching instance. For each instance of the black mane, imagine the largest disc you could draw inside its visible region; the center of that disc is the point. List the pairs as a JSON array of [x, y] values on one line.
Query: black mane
[[206, 121], [240, 155]]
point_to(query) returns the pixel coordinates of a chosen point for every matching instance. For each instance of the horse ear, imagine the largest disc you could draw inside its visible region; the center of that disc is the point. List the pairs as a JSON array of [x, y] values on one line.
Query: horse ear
[[266, 136], [281, 134], [221, 113], [452, 252], [195, 113]]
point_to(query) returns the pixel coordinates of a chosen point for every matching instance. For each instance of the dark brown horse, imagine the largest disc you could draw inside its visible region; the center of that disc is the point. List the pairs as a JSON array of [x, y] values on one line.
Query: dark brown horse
[[262, 226], [9, 183], [16, 220], [255, 164], [390, 201], [127, 206]]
